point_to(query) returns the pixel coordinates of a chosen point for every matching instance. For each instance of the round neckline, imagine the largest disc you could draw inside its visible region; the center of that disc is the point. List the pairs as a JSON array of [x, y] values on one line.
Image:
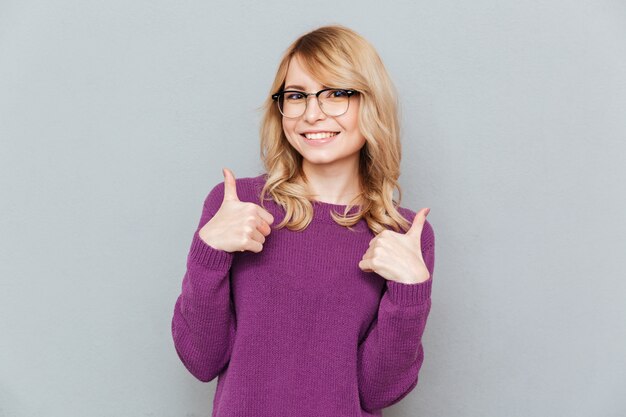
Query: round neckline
[[331, 205], [322, 211]]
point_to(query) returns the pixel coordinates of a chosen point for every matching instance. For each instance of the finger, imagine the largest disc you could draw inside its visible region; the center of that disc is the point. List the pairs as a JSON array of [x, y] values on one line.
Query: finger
[[253, 245], [230, 185], [257, 236], [264, 214], [418, 223], [365, 265], [263, 227]]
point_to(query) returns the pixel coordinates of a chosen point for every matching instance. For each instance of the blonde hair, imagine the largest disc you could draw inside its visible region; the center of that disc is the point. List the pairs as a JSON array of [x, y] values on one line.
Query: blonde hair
[[336, 55]]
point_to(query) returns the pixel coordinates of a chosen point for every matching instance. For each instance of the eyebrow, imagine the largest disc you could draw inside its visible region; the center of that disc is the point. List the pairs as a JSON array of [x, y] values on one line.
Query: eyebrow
[[299, 87]]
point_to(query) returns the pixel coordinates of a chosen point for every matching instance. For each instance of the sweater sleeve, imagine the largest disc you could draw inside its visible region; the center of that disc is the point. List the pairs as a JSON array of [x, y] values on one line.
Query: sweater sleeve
[[203, 324], [391, 355]]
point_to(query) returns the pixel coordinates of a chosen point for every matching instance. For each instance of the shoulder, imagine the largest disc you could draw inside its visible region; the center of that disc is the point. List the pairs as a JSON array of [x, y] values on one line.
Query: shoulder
[[428, 234]]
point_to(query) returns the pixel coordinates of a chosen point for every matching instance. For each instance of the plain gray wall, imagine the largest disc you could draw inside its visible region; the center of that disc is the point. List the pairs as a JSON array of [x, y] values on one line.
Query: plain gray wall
[[116, 118]]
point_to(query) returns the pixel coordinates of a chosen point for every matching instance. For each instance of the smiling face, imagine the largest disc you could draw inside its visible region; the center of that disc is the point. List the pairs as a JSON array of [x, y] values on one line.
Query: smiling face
[[338, 153]]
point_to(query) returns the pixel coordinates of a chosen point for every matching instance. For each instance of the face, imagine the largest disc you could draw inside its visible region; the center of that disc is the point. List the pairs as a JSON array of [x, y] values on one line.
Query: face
[[341, 152]]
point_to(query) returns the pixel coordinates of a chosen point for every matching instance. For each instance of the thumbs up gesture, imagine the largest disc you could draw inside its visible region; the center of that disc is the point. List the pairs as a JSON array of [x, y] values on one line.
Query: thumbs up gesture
[[396, 256], [237, 225]]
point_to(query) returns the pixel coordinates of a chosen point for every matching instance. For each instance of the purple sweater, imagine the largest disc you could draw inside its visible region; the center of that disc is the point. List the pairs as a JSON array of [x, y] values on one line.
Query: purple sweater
[[299, 329]]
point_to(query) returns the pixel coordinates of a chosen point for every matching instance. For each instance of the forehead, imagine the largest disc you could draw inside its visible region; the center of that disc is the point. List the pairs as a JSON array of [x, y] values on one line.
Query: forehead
[[298, 77]]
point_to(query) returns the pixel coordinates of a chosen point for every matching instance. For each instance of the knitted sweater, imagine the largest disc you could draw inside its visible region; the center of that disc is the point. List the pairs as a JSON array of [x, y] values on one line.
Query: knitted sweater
[[298, 329]]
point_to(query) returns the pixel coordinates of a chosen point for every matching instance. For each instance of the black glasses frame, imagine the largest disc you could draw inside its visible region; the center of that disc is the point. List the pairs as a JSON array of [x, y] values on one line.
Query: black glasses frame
[[349, 92]]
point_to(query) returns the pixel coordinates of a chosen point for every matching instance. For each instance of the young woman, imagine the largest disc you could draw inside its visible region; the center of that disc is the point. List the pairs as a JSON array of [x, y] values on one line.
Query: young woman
[[308, 287]]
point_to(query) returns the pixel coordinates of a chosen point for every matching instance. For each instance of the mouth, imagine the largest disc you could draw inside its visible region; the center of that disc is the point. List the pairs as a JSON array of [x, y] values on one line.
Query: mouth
[[322, 137]]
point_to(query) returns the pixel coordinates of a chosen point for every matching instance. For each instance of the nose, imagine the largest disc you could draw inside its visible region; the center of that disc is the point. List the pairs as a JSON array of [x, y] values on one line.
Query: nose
[[313, 111]]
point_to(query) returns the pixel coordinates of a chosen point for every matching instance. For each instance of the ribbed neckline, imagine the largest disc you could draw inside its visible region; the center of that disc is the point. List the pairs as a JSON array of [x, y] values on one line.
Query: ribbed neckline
[[333, 206], [322, 210]]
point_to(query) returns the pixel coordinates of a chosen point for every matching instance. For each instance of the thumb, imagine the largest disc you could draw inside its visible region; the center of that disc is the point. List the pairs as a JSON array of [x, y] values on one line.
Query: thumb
[[230, 185], [418, 223]]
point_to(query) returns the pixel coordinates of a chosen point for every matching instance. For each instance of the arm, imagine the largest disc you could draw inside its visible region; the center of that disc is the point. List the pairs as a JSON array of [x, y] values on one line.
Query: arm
[[391, 355], [203, 324]]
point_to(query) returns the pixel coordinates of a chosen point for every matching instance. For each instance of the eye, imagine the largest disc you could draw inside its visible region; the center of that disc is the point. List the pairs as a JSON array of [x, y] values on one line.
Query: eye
[[336, 94], [293, 96]]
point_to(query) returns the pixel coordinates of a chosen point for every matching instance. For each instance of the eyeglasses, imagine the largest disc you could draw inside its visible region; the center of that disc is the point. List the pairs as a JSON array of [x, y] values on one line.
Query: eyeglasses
[[333, 101]]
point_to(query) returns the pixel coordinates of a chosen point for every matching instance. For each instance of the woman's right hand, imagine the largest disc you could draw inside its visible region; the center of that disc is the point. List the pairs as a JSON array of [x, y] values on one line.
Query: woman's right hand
[[237, 225]]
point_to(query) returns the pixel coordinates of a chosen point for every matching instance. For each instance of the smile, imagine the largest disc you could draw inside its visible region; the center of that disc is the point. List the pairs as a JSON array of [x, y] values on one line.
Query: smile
[[320, 135], [315, 139]]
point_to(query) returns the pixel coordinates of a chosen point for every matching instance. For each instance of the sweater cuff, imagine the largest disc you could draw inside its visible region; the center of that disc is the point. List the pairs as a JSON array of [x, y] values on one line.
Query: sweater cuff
[[409, 294], [208, 256]]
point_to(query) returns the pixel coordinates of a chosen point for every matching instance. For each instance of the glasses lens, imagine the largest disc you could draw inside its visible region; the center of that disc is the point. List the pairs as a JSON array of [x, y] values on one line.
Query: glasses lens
[[334, 102], [292, 104]]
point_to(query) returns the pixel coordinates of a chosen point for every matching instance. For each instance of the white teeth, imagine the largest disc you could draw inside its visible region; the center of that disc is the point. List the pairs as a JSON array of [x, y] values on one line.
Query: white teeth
[[321, 135]]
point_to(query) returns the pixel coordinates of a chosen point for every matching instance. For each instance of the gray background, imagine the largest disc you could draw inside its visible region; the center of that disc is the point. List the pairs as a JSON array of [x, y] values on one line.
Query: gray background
[[116, 118]]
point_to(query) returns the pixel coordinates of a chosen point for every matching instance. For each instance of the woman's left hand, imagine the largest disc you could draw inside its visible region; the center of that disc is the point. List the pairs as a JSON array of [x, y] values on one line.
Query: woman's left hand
[[396, 256]]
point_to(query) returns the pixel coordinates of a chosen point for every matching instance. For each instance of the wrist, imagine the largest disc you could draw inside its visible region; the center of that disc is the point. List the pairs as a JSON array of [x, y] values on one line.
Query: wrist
[[416, 280]]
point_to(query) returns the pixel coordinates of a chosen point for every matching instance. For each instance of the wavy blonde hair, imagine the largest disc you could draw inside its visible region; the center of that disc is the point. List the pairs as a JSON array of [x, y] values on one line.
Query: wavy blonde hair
[[336, 55]]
